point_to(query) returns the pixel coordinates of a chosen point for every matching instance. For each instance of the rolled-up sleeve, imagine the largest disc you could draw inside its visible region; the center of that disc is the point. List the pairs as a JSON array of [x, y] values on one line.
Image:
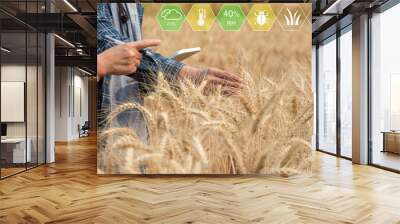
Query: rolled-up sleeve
[[152, 62], [170, 68]]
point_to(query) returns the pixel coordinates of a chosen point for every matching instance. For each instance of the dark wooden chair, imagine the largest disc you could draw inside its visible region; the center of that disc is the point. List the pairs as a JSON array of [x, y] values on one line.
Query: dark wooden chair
[[84, 130]]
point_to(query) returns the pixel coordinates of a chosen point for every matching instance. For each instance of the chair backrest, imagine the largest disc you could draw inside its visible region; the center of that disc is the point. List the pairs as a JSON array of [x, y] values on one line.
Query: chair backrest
[[86, 125]]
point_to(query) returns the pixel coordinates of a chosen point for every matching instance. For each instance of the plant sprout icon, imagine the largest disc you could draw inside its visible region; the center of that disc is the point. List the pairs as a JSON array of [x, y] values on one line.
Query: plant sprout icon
[[261, 17], [293, 19]]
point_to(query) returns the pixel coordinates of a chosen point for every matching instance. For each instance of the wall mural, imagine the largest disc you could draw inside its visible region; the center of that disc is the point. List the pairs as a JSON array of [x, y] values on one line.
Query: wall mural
[[212, 88]]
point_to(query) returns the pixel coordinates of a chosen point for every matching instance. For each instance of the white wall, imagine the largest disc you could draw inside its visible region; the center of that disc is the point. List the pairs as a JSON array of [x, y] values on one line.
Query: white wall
[[16, 73], [13, 101], [12, 73], [81, 84], [70, 84], [33, 127], [62, 81]]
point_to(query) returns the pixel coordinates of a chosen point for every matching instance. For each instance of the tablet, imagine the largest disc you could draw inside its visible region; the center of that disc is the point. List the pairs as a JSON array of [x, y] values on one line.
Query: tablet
[[185, 53]]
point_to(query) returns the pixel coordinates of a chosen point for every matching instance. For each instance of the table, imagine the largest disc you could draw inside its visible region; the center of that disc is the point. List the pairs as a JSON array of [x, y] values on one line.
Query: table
[[391, 141], [13, 150]]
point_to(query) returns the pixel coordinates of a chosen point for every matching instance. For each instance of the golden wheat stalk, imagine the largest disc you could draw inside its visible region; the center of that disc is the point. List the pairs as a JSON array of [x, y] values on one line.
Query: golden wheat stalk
[[265, 129]]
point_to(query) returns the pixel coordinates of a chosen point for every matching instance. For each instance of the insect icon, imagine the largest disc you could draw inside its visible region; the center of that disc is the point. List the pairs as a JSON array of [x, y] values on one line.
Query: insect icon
[[261, 17]]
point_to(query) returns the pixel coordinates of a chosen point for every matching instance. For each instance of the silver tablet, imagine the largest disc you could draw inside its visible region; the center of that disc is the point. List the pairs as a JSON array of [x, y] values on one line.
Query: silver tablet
[[185, 53]]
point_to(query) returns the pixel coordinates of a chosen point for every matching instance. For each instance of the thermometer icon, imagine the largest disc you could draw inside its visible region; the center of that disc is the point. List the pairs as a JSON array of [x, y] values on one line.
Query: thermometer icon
[[202, 17]]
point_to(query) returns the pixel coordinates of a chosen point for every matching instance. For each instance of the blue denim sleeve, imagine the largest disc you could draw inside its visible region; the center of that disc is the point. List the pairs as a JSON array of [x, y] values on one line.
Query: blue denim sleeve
[[151, 62], [170, 68], [106, 27]]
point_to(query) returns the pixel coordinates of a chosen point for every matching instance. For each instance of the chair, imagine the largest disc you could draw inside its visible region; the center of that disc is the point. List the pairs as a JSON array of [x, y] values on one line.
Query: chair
[[84, 130]]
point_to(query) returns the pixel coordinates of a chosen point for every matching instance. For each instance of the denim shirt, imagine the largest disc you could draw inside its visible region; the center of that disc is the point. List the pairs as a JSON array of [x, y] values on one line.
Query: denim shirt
[[115, 90]]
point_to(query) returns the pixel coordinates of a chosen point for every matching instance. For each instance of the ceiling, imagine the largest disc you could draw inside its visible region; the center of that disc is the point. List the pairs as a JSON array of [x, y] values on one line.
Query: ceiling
[[72, 20], [75, 22], [332, 15]]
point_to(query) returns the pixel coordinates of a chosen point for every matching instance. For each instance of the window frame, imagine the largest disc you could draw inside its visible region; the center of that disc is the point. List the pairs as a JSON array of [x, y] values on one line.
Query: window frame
[[334, 37], [381, 9]]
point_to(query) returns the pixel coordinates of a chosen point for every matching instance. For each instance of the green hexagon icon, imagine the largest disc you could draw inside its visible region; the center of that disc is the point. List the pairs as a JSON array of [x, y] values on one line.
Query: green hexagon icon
[[170, 17], [231, 17]]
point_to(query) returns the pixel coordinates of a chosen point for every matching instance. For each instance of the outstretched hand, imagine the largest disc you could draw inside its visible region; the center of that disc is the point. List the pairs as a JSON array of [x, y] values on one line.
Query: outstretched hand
[[229, 83]]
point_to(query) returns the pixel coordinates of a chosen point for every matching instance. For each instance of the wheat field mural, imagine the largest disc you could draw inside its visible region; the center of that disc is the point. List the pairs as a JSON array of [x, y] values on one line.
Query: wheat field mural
[[265, 129]]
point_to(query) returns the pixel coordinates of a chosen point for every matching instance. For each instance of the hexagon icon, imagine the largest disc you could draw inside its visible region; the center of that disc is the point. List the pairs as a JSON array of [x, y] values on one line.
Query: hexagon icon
[[170, 17], [307, 10], [309, 17], [231, 17], [200, 17], [261, 17], [291, 17]]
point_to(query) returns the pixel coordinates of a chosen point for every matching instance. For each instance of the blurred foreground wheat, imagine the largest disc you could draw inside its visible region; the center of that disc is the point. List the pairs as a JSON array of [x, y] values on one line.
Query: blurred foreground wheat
[[266, 129]]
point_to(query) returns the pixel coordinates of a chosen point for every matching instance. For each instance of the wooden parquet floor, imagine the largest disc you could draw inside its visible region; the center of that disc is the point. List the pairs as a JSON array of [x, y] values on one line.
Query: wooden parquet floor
[[69, 191]]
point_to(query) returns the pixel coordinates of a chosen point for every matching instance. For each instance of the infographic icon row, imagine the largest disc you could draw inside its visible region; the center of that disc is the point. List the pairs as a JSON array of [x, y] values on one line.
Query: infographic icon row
[[261, 17]]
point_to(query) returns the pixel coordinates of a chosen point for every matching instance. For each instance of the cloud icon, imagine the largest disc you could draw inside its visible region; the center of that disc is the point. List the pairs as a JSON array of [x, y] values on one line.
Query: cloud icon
[[171, 14]]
